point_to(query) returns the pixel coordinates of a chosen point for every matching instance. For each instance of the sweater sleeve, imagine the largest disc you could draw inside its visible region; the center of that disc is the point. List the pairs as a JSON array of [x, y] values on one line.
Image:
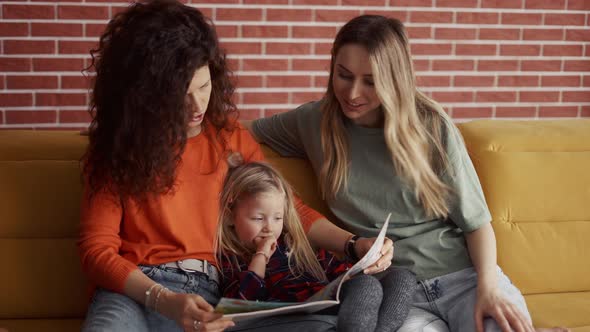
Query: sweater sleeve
[[99, 242]]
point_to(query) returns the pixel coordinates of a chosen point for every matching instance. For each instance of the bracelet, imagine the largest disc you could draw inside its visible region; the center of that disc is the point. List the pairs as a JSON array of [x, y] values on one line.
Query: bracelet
[[148, 293], [263, 254], [162, 289], [349, 251]]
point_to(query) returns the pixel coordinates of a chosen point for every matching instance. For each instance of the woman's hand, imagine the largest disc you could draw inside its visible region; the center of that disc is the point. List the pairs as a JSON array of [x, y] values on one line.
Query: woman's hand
[[490, 303], [362, 246], [192, 312]]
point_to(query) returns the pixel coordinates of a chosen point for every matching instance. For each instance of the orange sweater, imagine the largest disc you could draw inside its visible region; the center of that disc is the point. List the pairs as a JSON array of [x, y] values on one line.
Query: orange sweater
[[181, 225]]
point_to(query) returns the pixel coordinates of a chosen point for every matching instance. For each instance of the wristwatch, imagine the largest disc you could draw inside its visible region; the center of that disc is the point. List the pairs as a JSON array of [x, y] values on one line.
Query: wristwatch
[[349, 249]]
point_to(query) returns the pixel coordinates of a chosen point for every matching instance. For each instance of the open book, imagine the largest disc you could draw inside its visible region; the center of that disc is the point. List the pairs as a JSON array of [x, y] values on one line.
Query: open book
[[327, 297]]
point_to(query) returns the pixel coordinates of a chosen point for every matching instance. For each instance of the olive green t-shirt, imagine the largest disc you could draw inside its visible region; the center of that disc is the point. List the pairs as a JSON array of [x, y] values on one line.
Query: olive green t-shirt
[[429, 247]]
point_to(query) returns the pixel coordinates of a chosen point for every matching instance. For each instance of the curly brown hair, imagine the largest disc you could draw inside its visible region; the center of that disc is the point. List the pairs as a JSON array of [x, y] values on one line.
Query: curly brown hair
[[144, 63]]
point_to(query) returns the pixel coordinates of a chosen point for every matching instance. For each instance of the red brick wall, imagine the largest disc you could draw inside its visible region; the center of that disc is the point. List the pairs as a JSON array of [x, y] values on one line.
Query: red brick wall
[[479, 58]]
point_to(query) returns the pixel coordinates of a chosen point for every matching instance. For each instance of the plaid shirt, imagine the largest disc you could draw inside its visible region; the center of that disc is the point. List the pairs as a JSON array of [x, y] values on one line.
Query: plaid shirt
[[279, 284]]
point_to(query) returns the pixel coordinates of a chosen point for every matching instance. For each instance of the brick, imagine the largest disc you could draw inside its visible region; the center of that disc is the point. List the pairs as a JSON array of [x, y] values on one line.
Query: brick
[[60, 99], [288, 48], [501, 3], [453, 96], [316, 2], [264, 31], [578, 5], [15, 64], [471, 112], [265, 97], [288, 81], [454, 33], [419, 32], [29, 47], [264, 64], [323, 48], [265, 2], [73, 116], [586, 81], [497, 65], [522, 18], [542, 34], [26, 117], [363, 2], [226, 31], [322, 81], [495, 96], [520, 80], [94, 30], [432, 80], [431, 17], [453, 65], [516, 112], [16, 99], [76, 47], [540, 65], [401, 15], [457, 3], [289, 15], [585, 112], [431, 49], [311, 64], [247, 81], [412, 3], [421, 65], [565, 19], [558, 111], [520, 50], [544, 4], [56, 29], [332, 15], [563, 50], [578, 34], [250, 114], [82, 12], [234, 64], [28, 12], [242, 48], [576, 96], [475, 49], [473, 80], [2, 82], [76, 82], [314, 32], [560, 81], [31, 82], [304, 97], [477, 18], [238, 14], [577, 65], [61, 64], [13, 29], [538, 96], [499, 34]]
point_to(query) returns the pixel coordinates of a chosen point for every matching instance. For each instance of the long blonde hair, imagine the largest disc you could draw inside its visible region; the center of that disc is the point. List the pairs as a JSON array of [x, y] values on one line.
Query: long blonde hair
[[250, 179], [415, 126]]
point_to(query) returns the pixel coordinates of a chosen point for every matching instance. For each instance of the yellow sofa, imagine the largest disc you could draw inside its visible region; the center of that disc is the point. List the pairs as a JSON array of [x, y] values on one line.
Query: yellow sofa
[[535, 175]]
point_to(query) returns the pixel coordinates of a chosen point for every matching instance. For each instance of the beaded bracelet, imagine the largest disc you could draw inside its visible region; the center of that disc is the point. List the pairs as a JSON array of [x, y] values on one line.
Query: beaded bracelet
[[162, 289], [263, 254], [148, 293]]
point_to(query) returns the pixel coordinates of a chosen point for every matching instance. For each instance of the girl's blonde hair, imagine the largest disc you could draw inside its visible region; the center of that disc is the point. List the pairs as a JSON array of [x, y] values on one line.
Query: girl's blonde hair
[[415, 126], [250, 179]]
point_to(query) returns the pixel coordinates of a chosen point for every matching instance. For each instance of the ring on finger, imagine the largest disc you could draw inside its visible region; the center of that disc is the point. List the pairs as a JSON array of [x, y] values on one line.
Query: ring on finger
[[197, 325]]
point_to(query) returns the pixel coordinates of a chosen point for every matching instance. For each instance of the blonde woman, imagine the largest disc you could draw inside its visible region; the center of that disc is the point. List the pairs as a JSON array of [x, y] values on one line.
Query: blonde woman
[[266, 256], [378, 145]]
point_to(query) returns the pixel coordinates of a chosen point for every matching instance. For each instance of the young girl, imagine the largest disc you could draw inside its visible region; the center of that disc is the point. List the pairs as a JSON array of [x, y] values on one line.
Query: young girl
[[266, 256]]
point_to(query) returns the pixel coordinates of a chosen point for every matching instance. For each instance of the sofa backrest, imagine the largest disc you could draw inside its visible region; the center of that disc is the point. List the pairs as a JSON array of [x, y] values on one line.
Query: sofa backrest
[[536, 180]]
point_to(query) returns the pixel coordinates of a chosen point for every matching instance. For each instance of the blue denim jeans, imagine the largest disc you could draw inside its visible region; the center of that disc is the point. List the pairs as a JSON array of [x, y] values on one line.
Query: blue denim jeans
[[110, 311], [113, 312], [447, 303]]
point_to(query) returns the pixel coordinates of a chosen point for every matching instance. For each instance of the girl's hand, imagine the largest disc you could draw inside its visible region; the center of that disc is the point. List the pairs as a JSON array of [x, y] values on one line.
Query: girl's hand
[[192, 312], [490, 303], [267, 244], [362, 246]]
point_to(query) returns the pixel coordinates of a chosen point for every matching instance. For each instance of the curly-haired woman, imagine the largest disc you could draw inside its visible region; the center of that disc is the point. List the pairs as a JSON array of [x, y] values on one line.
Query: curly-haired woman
[[163, 126]]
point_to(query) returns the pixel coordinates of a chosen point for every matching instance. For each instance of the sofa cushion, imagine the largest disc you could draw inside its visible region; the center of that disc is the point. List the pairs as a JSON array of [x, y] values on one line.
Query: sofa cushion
[[537, 184]]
